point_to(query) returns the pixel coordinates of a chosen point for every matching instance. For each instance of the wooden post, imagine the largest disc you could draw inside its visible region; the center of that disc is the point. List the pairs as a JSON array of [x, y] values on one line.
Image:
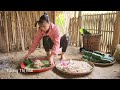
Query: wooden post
[[74, 27], [53, 12], [79, 26], [116, 33], [70, 30], [0, 30], [75, 30]]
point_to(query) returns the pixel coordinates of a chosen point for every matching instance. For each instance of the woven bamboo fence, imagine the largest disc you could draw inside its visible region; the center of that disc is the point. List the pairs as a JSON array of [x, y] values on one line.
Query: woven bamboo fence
[[96, 24], [74, 26], [17, 29]]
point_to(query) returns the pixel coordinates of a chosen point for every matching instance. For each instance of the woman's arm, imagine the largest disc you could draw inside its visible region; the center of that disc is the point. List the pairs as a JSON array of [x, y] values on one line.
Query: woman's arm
[[56, 45], [35, 41]]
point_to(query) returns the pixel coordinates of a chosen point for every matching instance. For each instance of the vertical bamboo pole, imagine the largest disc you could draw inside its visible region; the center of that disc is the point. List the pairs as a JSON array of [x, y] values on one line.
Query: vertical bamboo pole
[[116, 33], [74, 27], [79, 26], [13, 28], [21, 37], [6, 30]]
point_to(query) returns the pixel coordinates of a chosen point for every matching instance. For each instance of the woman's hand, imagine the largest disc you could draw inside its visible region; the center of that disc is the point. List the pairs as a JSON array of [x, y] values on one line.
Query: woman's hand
[[27, 55], [51, 60]]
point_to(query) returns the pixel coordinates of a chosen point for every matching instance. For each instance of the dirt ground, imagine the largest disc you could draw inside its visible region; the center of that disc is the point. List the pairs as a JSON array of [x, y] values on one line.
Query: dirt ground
[[10, 62]]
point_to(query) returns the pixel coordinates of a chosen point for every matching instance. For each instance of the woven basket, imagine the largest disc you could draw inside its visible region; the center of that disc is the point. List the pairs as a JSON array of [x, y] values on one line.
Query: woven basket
[[91, 42]]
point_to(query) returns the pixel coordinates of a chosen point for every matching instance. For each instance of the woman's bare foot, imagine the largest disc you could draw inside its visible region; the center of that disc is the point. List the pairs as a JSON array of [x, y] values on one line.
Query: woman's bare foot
[[63, 57]]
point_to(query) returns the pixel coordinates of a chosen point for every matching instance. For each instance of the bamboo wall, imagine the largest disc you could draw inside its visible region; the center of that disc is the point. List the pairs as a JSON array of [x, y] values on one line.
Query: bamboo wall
[[74, 26], [74, 32], [17, 29], [94, 23]]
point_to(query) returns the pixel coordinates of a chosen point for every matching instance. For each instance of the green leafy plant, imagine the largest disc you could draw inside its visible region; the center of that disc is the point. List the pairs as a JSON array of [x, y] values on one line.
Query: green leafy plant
[[60, 22]]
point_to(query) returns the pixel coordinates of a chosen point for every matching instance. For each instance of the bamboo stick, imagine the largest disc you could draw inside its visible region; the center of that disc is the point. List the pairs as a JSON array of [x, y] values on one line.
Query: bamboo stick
[[23, 30], [93, 23], [107, 32], [6, 31], [0, 33], [79, 26], [99, 24], [109, 41], [13, 28], [104, 33], [96, 22], [77, 37], [70, 30], [9, 31], [71, 27], [74, 31], [101, 32], [75, 40], [21, 37], [89, 23]]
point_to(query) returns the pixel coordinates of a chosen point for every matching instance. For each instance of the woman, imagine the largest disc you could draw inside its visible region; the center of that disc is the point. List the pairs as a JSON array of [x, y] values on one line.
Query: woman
[[52, 39]]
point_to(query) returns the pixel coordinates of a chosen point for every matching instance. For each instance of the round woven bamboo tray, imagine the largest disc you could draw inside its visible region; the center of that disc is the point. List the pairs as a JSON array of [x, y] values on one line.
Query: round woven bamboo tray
[[102, 64], [105, 64], [80, 74]]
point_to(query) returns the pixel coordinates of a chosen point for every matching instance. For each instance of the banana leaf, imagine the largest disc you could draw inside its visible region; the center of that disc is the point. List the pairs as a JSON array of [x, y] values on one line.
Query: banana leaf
[[85, 57], [100, 53], [28, 61], [96, 56], [87, 53], [46, 63]]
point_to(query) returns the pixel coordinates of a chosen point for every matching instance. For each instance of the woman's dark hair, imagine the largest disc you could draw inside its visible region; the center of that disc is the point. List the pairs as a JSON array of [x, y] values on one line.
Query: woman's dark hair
[[43, 18]]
